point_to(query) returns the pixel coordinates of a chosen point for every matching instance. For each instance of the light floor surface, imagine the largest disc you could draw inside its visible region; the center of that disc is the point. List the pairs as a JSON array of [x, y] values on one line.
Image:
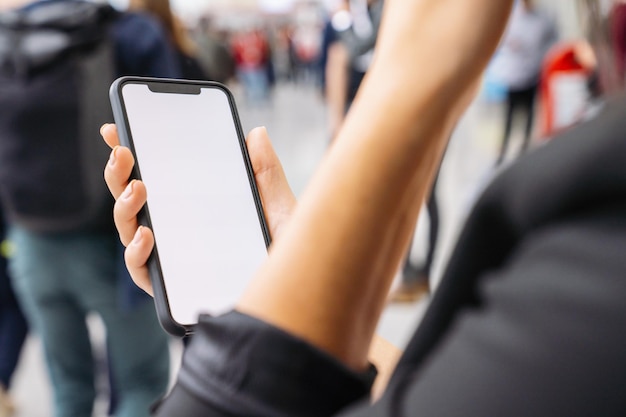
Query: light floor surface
[[296, 121]]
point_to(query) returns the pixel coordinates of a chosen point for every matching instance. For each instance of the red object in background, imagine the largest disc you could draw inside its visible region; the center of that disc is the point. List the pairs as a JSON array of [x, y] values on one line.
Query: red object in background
[[250, 49], [563, 92]]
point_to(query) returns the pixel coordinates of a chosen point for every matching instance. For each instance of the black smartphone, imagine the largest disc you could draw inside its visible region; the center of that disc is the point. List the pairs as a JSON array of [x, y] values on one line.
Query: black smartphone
[[203, 203]]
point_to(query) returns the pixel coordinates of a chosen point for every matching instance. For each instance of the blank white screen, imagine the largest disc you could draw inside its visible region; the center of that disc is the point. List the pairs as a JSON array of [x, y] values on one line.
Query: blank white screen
[[207, 231]]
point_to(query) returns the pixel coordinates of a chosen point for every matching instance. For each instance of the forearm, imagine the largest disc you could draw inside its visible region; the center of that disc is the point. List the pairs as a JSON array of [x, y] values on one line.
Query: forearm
[[346, 238], [328, 274]]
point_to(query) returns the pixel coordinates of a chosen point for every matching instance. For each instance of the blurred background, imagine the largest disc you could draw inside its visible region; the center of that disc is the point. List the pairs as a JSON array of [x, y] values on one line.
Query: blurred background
[[277, 57]]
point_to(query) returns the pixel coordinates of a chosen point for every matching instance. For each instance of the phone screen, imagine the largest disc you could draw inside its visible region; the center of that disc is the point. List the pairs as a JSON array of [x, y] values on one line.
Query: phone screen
[[202, 206]]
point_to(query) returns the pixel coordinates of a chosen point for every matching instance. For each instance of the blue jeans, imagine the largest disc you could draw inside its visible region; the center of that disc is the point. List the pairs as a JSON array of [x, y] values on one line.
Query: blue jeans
[[13, 328], [255, 83], [61, 278]]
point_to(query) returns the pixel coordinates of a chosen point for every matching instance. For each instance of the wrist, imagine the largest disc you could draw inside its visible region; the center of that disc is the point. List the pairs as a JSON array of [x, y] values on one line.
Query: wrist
[[421, 61]]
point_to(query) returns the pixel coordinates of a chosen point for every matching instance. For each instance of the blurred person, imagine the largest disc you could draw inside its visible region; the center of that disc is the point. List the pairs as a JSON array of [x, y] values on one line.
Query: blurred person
[[13, 329], [283, 54], [306, 44], [334, 64], [351, 38], [213, 52], [270, 68], [415, 279], [518, 66], [293, 59], [184, 46], [251, 51], [66, 266]]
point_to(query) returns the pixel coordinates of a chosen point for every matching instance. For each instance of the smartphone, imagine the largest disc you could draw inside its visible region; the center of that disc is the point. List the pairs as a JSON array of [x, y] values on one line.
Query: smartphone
[[203, 204]]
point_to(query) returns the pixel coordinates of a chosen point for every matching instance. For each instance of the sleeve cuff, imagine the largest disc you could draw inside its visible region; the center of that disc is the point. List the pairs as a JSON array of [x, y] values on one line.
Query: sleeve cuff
[[240, 365]]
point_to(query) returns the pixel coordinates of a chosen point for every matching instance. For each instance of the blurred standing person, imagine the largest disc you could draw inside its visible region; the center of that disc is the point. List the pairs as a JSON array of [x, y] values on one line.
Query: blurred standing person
[[293, 59], [214, 55], [356, 26], [330, 37], [13, 329], [251, 52], [529, 35], [415, 279], [306, 46], [283, 54], [67, 260], [184, 46]]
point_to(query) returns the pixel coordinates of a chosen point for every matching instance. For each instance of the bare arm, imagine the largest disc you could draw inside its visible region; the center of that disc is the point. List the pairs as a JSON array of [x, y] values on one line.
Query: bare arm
[[329, 272]]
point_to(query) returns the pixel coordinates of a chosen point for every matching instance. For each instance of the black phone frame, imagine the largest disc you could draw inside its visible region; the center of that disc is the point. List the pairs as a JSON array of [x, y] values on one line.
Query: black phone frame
[[179, 86]]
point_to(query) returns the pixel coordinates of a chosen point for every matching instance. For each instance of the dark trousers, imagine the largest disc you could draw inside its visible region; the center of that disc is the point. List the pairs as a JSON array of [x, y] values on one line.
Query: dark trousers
[[412, 273], [518, 101], [13, 328]]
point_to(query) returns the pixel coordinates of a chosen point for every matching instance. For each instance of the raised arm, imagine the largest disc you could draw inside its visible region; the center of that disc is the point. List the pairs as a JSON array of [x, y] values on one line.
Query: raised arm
[[328, 273]]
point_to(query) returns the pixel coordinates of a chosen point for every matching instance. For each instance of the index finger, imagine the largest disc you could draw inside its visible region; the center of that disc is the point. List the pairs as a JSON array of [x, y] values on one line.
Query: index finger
[[109, 133], [120, 164]]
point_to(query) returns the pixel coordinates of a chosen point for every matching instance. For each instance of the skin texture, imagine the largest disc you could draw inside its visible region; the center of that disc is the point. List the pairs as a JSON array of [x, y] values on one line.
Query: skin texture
[[334, 255]]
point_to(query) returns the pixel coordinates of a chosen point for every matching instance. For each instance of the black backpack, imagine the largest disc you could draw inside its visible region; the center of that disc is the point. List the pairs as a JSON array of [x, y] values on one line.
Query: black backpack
[[56, 65]]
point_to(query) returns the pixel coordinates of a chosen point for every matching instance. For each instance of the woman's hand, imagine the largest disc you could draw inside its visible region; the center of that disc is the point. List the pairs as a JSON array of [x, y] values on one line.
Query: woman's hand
[[130, 195]]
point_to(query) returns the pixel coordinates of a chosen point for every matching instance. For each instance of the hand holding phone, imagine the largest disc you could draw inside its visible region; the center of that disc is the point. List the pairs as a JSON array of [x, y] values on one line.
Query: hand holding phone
[[203, 205]]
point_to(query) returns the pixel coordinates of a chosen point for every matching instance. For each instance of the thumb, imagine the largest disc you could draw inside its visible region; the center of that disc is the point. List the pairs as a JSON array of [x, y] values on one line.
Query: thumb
[[276, 195]]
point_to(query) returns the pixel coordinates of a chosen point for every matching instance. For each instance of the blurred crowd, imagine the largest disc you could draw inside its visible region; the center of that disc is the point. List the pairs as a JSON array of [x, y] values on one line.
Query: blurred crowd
[[554, 83]]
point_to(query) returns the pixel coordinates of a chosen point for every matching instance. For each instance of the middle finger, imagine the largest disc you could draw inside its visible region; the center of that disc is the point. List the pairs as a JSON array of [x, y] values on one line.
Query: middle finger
[[126, 209], [117, 170]]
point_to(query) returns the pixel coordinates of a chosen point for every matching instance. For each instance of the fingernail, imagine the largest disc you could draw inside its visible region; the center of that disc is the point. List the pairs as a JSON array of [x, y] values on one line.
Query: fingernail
[[102, 128], [129, 190], [113, 157], [138, 236]]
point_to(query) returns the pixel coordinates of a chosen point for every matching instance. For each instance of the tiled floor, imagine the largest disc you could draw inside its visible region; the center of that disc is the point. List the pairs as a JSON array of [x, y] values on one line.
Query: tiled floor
[[296, 122]]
